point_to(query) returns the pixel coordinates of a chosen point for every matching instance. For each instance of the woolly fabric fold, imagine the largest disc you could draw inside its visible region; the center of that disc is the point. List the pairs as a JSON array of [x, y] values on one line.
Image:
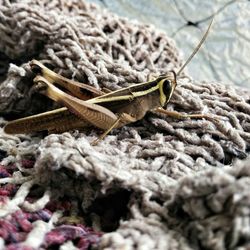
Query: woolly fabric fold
[[159, 183]]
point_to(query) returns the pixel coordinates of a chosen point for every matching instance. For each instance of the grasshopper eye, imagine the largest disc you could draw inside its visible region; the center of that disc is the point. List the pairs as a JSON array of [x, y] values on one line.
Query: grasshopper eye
[[167, 88]]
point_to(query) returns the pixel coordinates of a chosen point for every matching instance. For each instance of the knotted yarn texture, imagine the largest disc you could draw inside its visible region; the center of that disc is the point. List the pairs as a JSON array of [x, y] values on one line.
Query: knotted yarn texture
[[159, 183]]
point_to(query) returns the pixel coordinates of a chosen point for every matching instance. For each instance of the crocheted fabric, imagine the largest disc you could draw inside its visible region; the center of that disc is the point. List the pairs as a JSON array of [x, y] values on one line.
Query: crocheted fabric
[[159, 183]]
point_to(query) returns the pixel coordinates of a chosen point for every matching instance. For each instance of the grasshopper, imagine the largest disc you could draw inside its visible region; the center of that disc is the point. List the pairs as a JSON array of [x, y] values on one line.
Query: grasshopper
[[85, 105]]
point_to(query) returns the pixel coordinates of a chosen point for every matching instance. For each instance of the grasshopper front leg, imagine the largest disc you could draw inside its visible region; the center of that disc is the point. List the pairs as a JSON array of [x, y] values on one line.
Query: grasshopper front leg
[[177, 115]]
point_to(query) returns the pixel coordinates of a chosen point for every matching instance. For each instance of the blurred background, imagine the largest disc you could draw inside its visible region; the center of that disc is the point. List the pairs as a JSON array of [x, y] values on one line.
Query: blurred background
[[225, 56]]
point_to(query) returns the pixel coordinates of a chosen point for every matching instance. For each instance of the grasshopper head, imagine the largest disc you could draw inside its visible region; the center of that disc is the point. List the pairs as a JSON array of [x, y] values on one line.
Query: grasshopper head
[[166, 87]]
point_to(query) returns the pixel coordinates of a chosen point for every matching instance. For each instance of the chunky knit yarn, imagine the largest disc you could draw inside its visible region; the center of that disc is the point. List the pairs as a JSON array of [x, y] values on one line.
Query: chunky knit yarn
[[159, 183]]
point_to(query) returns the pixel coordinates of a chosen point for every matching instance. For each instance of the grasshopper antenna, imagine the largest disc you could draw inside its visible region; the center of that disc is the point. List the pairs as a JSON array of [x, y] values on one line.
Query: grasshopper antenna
[[196, 49]]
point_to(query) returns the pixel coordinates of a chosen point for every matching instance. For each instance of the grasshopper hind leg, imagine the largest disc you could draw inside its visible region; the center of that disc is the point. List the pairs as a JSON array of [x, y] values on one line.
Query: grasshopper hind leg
[[95, 142], [122, 120], [80, 90]]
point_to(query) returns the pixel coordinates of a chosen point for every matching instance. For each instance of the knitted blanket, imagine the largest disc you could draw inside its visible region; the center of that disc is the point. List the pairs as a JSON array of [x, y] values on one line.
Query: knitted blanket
[[159, 183]]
